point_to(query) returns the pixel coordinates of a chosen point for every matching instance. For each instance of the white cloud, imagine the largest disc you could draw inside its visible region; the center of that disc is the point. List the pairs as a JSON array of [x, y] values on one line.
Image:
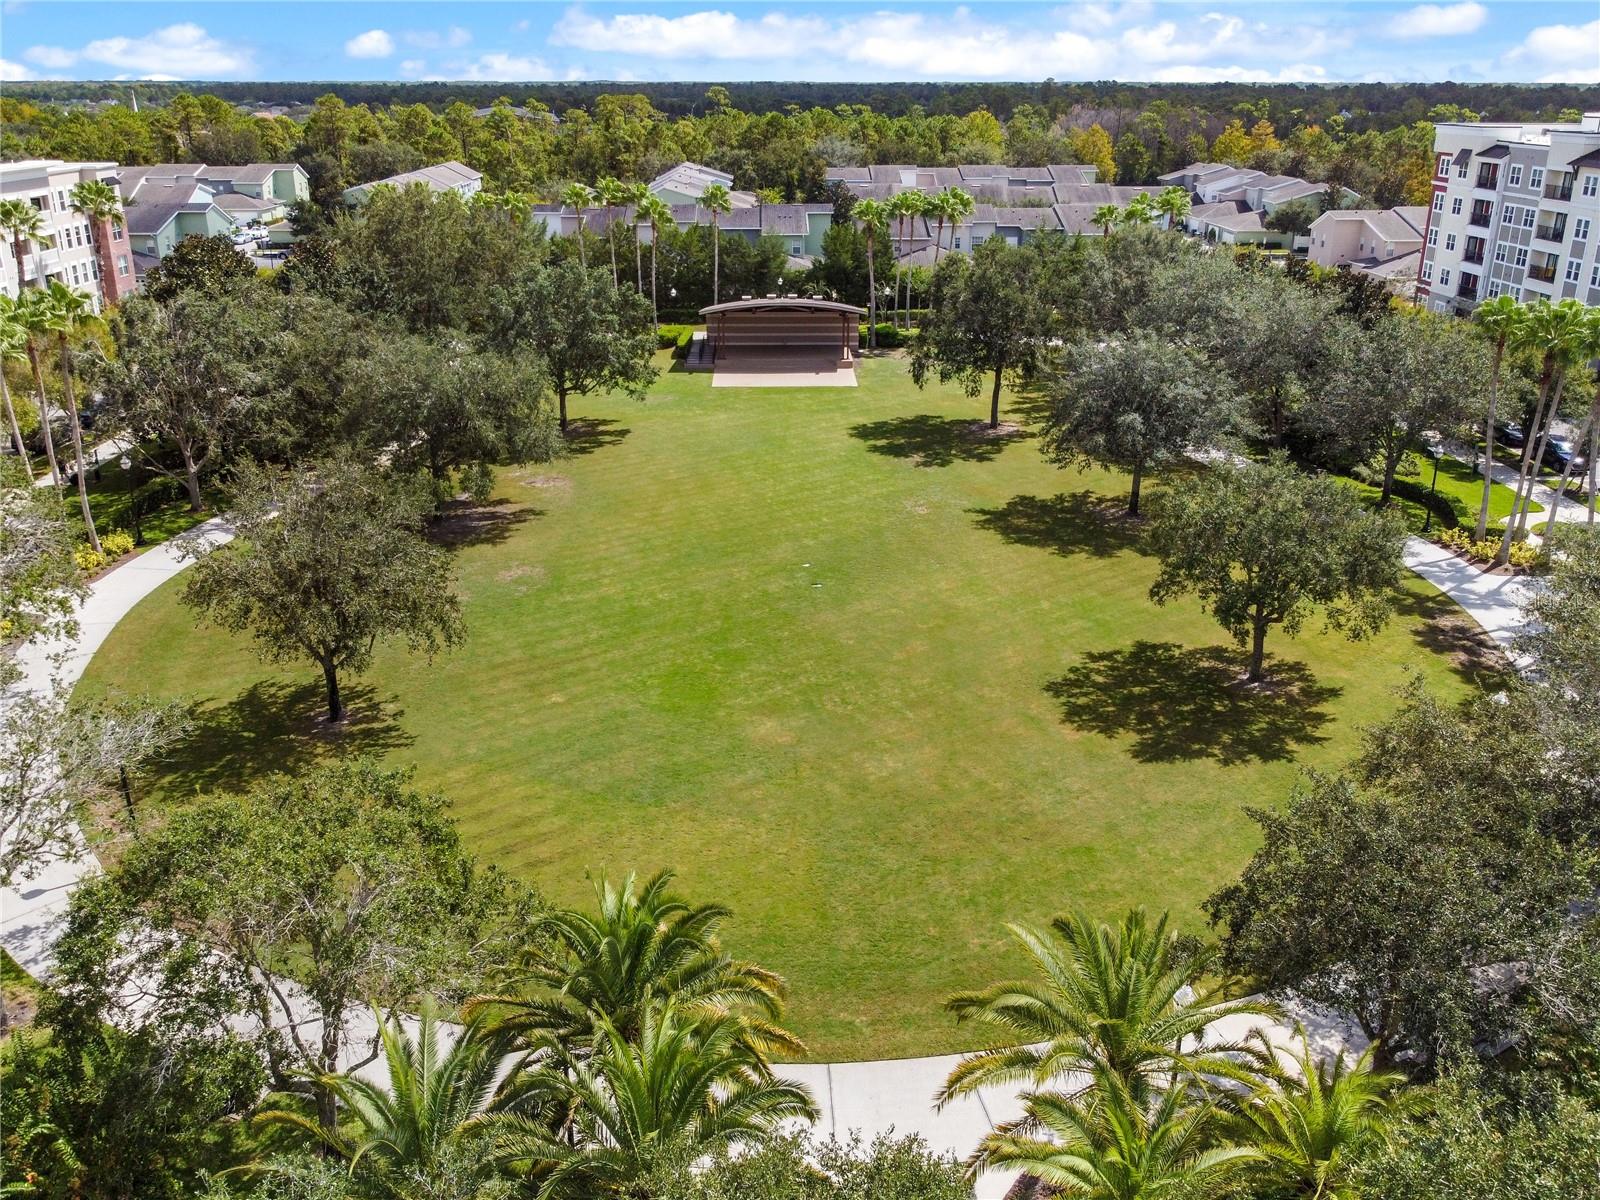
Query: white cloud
[[431, 39], [1559, 54], [702, 35], [496, 66], [182, 51], [413, 67], [1438, 20], [374, 43], [13, 72], [1298, 73]]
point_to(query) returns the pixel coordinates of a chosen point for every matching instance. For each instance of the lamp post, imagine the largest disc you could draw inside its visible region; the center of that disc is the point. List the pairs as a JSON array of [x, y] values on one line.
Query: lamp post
[[1435, 452], [126, 464]]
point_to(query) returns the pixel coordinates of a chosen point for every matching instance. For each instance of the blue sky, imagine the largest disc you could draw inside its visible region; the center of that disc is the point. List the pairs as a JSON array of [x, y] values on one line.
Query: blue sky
[[1555, 41]]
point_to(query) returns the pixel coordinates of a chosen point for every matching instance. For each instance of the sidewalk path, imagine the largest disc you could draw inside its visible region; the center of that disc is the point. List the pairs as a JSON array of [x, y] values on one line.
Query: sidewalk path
[[869, 1097], [95, 455]]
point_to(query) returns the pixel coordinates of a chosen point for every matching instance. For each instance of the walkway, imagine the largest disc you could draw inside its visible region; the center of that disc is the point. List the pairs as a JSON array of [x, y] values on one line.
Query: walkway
[[870, 1097], [103, 453]]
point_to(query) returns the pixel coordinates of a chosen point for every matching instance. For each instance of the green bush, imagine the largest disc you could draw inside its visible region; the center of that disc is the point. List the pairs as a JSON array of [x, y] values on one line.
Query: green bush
[[685, 340], [888, 336], [477, 481], [669, 336]]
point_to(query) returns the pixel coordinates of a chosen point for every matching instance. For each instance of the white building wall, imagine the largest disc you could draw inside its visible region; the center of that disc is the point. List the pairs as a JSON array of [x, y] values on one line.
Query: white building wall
[[70, 253]]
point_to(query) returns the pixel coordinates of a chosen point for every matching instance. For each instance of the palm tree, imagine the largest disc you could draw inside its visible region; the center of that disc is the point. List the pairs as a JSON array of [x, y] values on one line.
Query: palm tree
[[517, 206], [23, 223], [34, 312], [1141, 210], [611, 194], [644, 945], [942, 206], [1109, 1144], [1502, 319], [438, 1098], [12, 340], [69, 312], [98, 202], [1586, 348], [962, 206], [716, 200], [681, 1086], [904, 206], [874, 218], [580, 196], [659, 213], [1557, 332], [1311, 1122], [1117, 999], [1174, 204], [636, 195], [1106, 216]]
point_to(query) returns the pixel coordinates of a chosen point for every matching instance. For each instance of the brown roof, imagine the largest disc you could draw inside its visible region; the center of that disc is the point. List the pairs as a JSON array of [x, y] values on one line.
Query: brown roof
[[781, 303]]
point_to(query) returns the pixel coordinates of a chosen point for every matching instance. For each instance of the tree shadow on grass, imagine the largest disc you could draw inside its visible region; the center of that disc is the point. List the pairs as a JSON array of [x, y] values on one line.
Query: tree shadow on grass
[[461, 523], [1077, 523], [934, 441], [275, 727], [589, 434], [1185, 704], [1443, 627]]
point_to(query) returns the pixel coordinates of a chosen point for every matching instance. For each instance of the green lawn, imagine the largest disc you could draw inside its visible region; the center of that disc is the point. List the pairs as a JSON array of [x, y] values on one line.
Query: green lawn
[[877, 684], [108, 501]]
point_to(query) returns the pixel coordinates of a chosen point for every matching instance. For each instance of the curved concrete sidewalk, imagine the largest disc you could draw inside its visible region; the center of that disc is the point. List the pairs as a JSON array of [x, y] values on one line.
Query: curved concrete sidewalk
[[869, 1097]]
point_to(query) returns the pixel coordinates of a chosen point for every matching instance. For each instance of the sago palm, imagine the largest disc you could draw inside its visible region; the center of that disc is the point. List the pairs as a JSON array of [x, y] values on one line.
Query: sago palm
[[70, 311], [438, 1098], [644, 946], [681, 1086], [1108, 1144], [1501, 320], [580, 196], [1310, 1122], [873, 216], [1105, 998], [716, 200]]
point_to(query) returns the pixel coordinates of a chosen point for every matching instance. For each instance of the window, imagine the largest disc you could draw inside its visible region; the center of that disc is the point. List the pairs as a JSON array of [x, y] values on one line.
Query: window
[[1494, 289], [1444, 277], [1522, 256], [1580, 229], [1591, 184], [116, 233], [1461, 167], [1527, 217], [1427, 271], [1455, 207], [1499, 252], [1514, 175], [958, 243], [1536, 178], [1506, 214], [1594, 276], [1438, 202], [1444, 165], [74, 273], [1574, 269], [1449, 241], [1433, 236]]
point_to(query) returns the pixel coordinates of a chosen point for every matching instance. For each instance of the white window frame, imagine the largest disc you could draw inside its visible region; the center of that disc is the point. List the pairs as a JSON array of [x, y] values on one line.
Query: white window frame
[[1521, 259], [1500, 252], [1580, 229], [1591, 184], [1574, 270], [1455, 207], [1427, 271], [1433, 236], [1444, 277], [1594, 276], [1536, 178], [1528, 215], [1438, 202], [1463, 168], [1443, 168], [1449, 241], [1514, 175]]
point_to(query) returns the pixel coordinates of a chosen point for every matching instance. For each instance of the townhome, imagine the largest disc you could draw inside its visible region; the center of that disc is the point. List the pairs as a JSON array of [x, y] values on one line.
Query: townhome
[[799, 226], [687, 182], [97, 261], [1232, 204], [165, 204], [257, 192], [442, 177], [1385, 243], [1515, 211]]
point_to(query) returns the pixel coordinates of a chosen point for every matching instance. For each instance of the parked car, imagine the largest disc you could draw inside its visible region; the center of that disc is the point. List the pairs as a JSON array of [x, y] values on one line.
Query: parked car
[[1509, 433], [1559, 452]]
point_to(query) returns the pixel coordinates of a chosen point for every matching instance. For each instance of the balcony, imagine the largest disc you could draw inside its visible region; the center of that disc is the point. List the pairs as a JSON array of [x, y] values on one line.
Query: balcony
[[1467, 291], [1552, 233], [1558, 191], [1482, 214], [1474, 254], [1544, 274], [1489, 177]]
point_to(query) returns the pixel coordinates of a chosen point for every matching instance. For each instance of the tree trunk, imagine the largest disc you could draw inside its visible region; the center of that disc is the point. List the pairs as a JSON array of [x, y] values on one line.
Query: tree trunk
[[611, 236], [1566, 471], [716, 260], [11, 418], [77, 443], [655, 312], [994, 400], [191, 477], [1481, 529], [1503, 554], [44, 417], [561, 397], [583, 249], [1258, 651], [1544, 444], [638, 262], [330, 678], [1133, 492], [1594, 470], [872, 301]]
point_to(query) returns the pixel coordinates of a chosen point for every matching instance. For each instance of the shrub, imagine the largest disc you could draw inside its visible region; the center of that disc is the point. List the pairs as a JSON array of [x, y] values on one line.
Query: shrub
[[89, 559], [1523, 555], [888, 336], [477, 480], [669, 336], [685, 340], [116, 543]]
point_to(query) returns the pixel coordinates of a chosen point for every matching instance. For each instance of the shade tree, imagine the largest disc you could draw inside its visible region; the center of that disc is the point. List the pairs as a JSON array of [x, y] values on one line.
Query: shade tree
[[208, 265], [1267, 544]]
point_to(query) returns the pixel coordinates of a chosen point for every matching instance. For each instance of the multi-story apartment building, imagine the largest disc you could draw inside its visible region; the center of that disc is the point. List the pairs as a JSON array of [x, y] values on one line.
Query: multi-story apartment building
[[96, 261], [1516, 212]]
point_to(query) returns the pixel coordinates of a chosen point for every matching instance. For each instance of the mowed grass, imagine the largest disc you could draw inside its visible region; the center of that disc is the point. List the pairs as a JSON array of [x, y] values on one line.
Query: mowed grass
[[877, 684]]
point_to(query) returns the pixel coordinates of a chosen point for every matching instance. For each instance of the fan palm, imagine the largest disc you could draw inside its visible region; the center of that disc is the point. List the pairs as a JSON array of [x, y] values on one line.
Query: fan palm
[[682, 1086], [952, 205], [716, 200], [659, 213], [34, 312], [1108, 998], [874, 218], [643, 946], [612, 193], [12, 340], [70, 311], [99, 203], [580, 196], [636, 195], [1108, 1144], [1141, 210], [1174, 204], [1310, 1123], [1106, 216], [1502, 319], [438, 1097], [517, 206], [905, 206], [23, 223]]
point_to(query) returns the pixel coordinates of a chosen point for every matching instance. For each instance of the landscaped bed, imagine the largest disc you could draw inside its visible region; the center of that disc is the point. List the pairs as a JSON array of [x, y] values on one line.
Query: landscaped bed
[[877, 683]]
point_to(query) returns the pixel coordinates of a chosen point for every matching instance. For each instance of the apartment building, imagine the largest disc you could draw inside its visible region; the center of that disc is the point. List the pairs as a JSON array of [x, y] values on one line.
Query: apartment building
[[1515, 212], [1385, 243], [96, 261]]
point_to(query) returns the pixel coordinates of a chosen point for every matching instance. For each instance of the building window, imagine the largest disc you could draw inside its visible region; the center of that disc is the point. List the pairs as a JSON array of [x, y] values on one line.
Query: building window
[[1461, 167], [1522, 256], [1444, 277], [116, 233], [1455, 207], [1574, 269], [958, 243], [1427, 271], [1499, 252], [1591, 184], [1506, 212], [1433, 236], [1438, 202], [1536, 178], [1514, 175], [1449, 241], [1594, 276], [1444, 166], [122, 265], [1494, 288], [1527, 217], [1580, 229]]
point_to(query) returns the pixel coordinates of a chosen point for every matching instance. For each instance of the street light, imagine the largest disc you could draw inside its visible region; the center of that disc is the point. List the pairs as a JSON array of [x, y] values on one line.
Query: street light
[[126, 464], [1435, 452]]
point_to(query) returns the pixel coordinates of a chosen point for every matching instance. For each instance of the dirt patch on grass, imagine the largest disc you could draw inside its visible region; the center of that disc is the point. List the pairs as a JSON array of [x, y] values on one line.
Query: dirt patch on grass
[[528, 572], [1464, 642]]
